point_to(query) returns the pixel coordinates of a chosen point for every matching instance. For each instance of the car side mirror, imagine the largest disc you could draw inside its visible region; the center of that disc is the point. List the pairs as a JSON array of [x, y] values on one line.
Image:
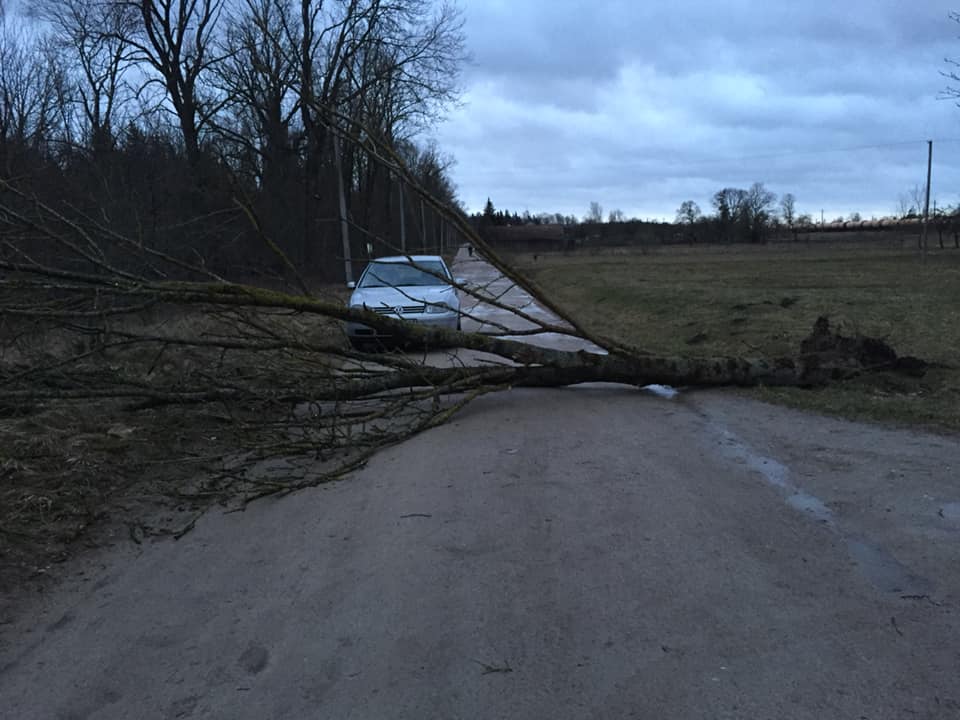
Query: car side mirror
[[351, 285], [460, 281]]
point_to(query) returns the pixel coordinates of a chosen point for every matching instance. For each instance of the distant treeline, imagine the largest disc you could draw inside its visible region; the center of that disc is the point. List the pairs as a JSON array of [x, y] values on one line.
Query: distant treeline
[[754, 215], [944, 231]]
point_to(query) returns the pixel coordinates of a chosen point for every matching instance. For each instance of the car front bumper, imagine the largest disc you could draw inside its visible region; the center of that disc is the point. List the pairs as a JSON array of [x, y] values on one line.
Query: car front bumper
[[447, 321]]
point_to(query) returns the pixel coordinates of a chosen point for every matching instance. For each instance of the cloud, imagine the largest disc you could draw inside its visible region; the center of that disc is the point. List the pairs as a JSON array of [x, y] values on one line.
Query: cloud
[[641, 105]]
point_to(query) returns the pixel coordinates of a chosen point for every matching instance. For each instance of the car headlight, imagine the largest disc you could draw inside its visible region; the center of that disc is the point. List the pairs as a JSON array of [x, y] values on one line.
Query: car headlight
[[437, 308]]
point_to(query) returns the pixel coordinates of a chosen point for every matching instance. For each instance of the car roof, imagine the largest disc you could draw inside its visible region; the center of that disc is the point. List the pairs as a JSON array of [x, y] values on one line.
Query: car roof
[[408, 258]]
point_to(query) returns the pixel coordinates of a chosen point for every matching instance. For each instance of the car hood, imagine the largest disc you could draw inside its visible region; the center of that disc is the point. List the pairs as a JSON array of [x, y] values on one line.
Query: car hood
[[393, 297]]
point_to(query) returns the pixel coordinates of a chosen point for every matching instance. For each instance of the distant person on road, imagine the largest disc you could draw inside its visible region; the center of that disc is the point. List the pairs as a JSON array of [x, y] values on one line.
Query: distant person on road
[[470, 250]]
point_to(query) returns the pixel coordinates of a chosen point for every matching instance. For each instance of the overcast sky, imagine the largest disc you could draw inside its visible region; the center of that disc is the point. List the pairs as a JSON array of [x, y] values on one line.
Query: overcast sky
[[641, 105]]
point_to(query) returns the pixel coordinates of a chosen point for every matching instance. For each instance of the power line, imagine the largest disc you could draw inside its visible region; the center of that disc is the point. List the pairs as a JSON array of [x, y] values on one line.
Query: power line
[[690, 160], [820, 151]]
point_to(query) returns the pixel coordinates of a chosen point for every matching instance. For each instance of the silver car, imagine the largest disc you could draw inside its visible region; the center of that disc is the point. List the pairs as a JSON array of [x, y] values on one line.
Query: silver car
[[414, 288]]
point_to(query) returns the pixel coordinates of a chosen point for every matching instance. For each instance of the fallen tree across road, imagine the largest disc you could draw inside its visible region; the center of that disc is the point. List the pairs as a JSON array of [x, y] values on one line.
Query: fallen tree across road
[[103, 336]]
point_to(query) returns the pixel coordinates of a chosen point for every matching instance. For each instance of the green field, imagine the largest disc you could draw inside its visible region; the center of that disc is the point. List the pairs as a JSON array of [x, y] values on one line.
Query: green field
[[745, 300]]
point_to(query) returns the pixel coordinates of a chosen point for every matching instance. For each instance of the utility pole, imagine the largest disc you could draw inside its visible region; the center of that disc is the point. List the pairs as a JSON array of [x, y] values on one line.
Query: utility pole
[[403, 221], [821, 217], [344, 225], [423, 227], [926, 205]]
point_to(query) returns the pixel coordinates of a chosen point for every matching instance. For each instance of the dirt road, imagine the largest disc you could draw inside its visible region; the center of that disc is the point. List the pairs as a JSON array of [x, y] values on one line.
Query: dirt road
[[590, 552]]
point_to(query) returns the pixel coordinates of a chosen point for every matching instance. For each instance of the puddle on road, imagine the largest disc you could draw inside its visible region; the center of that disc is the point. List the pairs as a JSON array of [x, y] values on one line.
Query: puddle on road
[[875, 564], [773, 472], [805, 502], [884, 571], [951, 511]]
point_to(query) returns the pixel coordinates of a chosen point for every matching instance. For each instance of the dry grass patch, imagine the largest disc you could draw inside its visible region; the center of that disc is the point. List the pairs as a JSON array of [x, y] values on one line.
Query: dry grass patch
[[111, 462], [763, 301]]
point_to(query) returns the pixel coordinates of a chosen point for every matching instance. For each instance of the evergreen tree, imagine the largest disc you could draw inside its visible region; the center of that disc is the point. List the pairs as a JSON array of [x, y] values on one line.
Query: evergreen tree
[[489, 214]]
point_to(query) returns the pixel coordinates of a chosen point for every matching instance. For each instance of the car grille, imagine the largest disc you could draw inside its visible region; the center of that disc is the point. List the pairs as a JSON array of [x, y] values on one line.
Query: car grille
[[404, 309]]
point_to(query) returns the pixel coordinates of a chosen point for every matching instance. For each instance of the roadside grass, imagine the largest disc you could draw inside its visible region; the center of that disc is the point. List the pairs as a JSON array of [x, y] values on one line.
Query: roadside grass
[[763, 300]]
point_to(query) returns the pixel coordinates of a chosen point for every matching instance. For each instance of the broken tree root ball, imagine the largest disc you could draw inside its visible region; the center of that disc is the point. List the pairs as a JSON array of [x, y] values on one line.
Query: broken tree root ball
[[868, 353]]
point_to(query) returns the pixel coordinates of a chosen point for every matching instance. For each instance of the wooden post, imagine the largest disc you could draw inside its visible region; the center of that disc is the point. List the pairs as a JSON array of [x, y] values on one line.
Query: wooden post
[[938, 224], [926, 205]]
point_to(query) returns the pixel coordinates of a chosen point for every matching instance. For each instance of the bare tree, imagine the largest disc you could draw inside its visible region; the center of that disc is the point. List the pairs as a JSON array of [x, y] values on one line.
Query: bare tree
[[388, 66], [595, 213], [788, 209], [688, 213], [175, 39], [408, 73], [257, 77], [758, 208], [615, 216], [32, 93], [729, 206], [952, 91], [93, 33], [258, 127], [917, 196], [729, 202], [904, 208], [401, 73], [744, 214]]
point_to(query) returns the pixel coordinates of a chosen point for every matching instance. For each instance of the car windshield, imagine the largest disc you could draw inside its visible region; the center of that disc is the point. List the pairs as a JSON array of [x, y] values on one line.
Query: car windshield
[[383, 274]]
